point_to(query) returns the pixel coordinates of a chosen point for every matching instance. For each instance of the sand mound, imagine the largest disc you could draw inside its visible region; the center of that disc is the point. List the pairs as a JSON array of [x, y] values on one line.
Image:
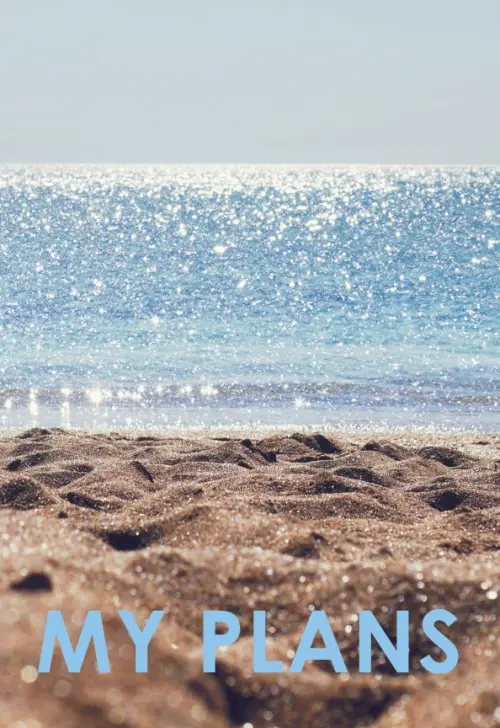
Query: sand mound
[[287, 523]]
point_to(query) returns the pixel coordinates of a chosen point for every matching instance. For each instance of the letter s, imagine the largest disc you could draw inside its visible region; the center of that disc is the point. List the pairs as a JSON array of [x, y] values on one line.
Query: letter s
[[451, 652]]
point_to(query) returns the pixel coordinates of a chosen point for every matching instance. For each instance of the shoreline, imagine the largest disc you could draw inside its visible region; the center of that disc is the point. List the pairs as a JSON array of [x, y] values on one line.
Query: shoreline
[[482, 443]]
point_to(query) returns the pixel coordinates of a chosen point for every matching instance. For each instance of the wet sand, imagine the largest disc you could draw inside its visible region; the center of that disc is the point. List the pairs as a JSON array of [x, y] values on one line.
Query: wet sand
[[279, 522]]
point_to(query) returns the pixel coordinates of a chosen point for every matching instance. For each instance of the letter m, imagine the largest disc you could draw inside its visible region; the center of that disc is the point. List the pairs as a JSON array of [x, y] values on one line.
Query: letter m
[[55, 629]]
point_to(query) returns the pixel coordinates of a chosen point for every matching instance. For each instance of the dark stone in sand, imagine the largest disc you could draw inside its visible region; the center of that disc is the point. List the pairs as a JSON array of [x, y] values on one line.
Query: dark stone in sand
[[142, 469], [448, 500], [84, 501], [129, 539], [34, 432], [24, 494], [396, 452], [269, 456], [30, 461], [445, 455], [318, 442], [34, 582]]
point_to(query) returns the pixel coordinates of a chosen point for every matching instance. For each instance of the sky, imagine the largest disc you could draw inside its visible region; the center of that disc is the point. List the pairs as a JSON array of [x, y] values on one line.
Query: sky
[[250, 81]]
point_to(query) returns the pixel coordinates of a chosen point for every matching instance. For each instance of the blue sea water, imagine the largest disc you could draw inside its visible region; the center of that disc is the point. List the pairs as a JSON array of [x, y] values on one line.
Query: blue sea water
[[236, 296]]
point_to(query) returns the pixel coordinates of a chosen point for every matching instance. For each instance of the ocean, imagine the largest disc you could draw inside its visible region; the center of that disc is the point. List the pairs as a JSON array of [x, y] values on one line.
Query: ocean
[[158, 297]]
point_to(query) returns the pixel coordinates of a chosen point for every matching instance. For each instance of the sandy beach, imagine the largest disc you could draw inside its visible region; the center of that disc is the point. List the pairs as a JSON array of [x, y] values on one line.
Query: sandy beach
[[282, 522]]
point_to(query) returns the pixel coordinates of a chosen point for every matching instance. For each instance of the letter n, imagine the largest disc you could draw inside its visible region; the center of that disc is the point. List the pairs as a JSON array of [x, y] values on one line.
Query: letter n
[[398, 656]]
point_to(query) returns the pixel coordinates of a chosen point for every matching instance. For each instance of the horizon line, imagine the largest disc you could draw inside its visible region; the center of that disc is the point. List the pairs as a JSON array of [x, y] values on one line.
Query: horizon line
[[251, 164]]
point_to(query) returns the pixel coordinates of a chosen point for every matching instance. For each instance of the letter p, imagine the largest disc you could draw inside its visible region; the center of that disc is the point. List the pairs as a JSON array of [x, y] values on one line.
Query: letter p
[[212, 640]]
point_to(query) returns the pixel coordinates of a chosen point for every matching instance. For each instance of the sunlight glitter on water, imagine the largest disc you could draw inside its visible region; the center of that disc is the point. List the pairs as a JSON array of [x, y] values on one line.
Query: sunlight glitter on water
[[369, 292]]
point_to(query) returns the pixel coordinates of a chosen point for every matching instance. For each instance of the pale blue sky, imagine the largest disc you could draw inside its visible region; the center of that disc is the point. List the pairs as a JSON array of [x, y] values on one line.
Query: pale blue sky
[[306, 81]]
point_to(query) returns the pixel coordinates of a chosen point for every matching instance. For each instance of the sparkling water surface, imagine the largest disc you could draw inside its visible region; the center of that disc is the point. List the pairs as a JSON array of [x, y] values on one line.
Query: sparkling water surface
[[236, 296]]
